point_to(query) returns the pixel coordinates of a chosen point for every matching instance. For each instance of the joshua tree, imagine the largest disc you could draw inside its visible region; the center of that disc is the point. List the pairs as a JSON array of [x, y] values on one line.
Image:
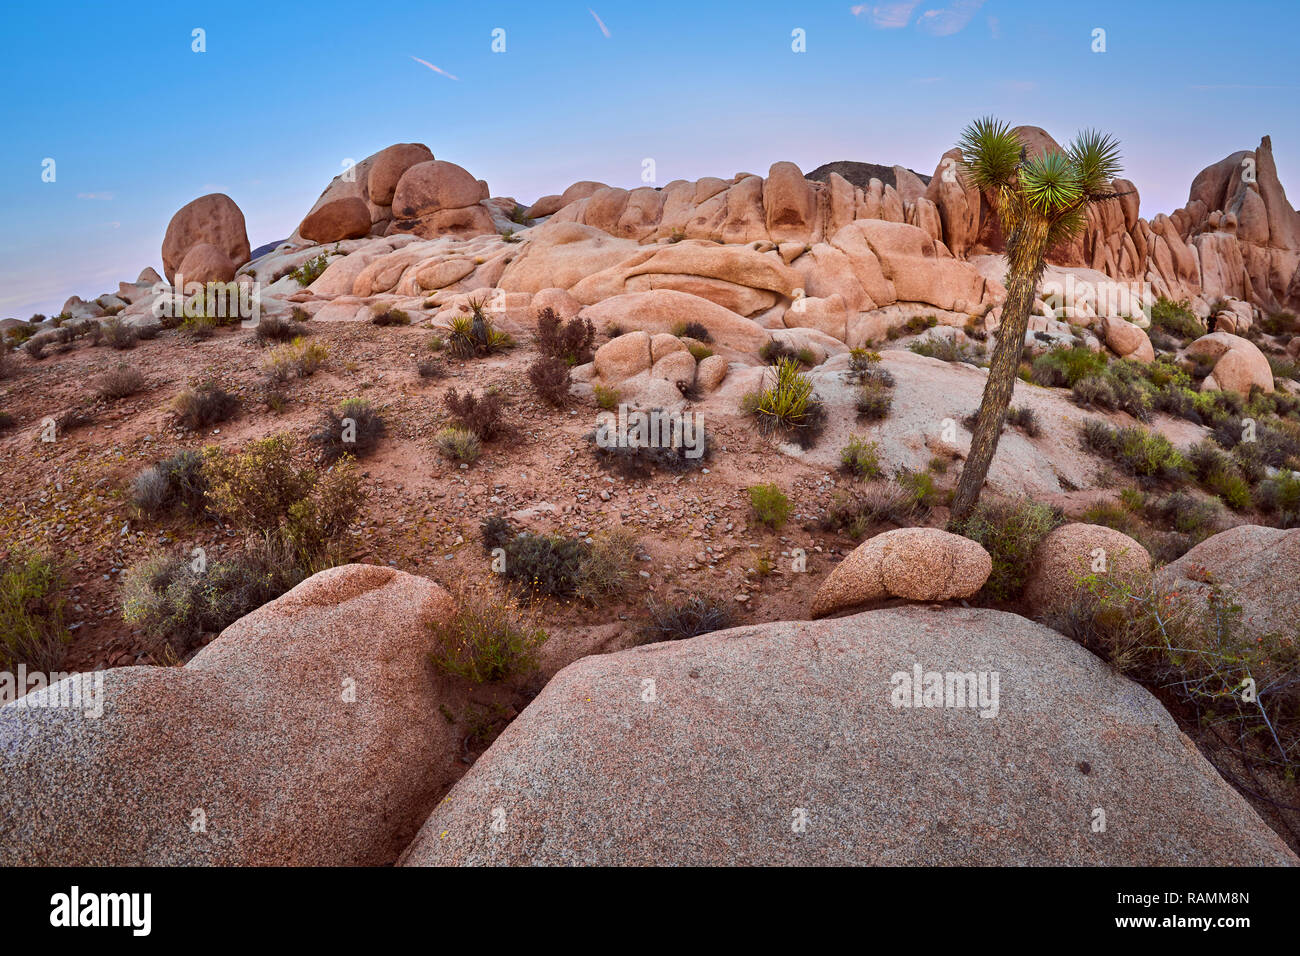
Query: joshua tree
[[1040, 202]]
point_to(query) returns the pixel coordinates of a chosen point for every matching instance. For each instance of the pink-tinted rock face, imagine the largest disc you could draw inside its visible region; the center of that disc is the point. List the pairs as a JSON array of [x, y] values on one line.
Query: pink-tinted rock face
[[213, 219], [387, 167], [431, 187], [205, 263], [347, 217]]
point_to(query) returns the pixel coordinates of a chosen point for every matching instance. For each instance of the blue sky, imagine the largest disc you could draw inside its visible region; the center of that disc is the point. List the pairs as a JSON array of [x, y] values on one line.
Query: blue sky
[[138, 124]]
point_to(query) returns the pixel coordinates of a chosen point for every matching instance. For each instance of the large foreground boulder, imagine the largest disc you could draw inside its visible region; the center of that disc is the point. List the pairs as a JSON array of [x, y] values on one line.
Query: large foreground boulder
[[307, 734], [802, 743]]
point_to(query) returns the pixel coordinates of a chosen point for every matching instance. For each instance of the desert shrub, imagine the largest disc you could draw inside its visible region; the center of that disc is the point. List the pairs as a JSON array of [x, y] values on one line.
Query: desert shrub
[[1009, 531], [607, 397], [1280, 323], [1095, 391], [207, 404], [354, 428], [550, 378], [949, 350], [1138, 451], [36, 345], [769, 504], [699, 351], [71, 419], [272, 328], [919, 486], [118, 383], [6, 421], [659, 447], [690, 618], [311, 270], [296, 359], [544, 564], [175, 482], [917, 324], [855, 512], [1175, 318], [1284, 368], [458, 444], [692, 330], [486, 641], [1063, 368], [874, 400], [570, 342], [430, 368], [861, 458], [1025, 419], [777, 351], [1178, 401], [474, 335], [480, 414], [607, 567], [1198, 652], [788, 406], [264, 491], [178, 599], [385, 317], [118, 334], [1185, 513], [1275, 443], [6, 362], [1163, 372], [31, 613]]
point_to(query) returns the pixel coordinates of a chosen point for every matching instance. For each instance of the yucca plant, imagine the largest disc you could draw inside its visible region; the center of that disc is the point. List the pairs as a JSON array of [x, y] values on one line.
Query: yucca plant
[[1040, 201], [789, 404]]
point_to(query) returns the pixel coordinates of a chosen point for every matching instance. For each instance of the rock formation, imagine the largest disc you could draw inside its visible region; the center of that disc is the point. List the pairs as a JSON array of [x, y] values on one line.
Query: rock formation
[[800, 743]]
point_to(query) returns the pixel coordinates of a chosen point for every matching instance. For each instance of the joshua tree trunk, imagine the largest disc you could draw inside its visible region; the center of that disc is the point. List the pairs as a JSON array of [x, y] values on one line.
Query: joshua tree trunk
[[1026, 249]]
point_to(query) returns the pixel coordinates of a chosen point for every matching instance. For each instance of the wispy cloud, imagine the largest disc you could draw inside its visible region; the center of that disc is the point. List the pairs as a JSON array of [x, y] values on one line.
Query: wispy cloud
[[950, 19], [436, 69], [104, 196], [599, 22], [1236, 86], [886, 16], [995, 28]]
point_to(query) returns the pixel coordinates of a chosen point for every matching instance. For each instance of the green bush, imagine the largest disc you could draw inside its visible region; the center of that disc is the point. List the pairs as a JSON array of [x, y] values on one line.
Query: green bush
[[178, 599], [1176, 319], [770, 505], [1138, 451], [266, 492], [949, 350], [354, 428], [874, 400], [175, 482], [1064, 368], [31, 613], [311, 270], [458, 444], [1198, 652], [486, 642], [1009, 531], [861, 458]]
